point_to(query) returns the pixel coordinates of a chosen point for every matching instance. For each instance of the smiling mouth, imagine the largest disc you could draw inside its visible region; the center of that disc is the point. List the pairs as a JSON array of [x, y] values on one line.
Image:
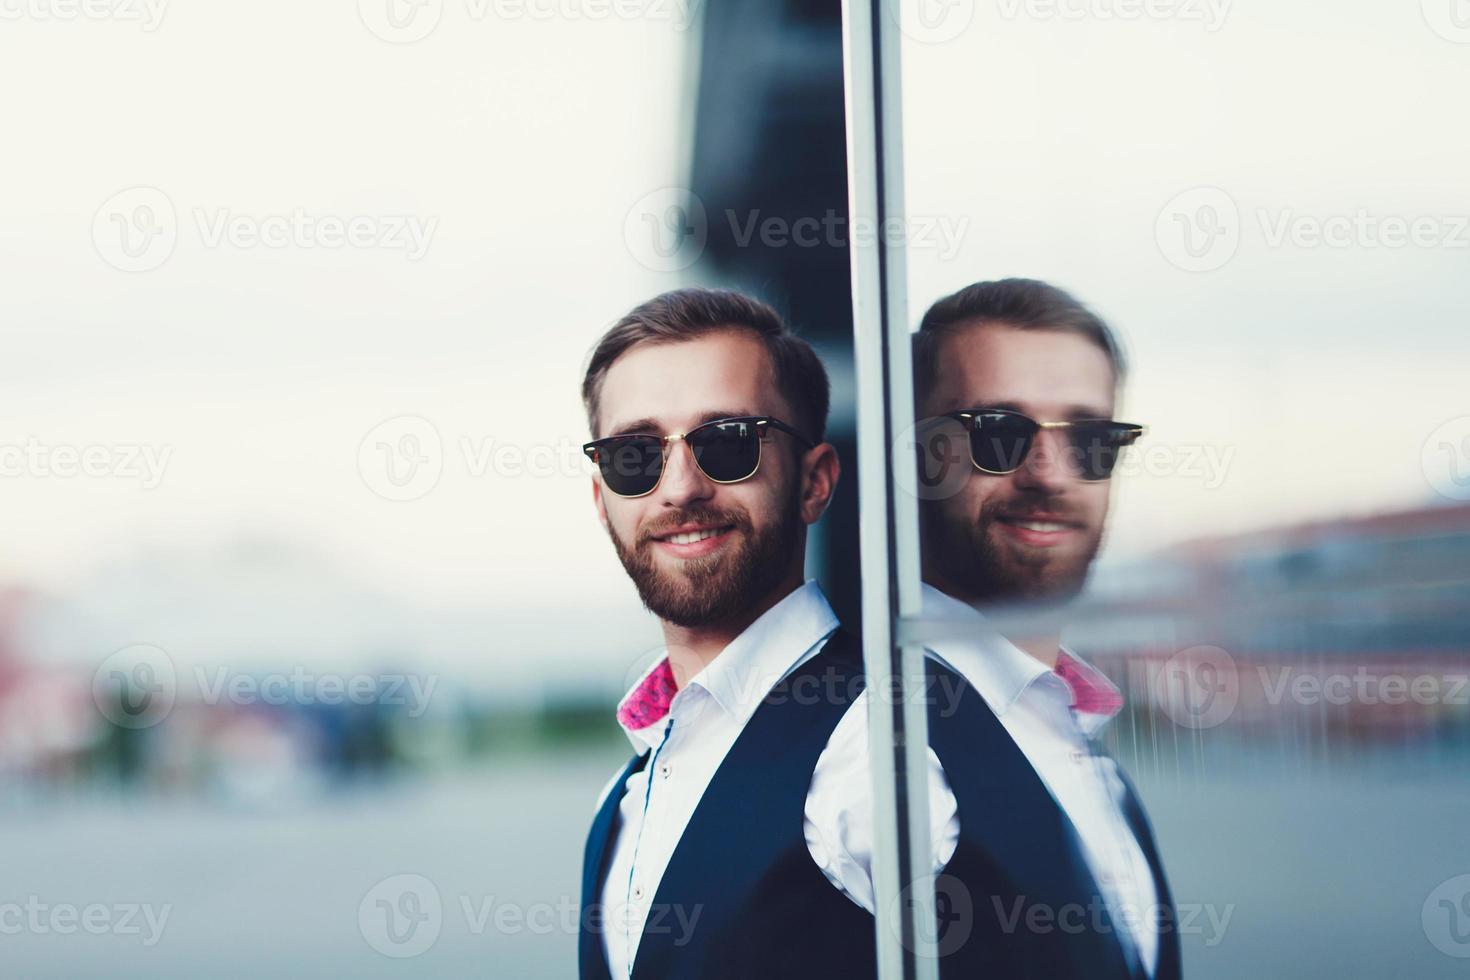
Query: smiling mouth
[[1031, 524], [1038, 530], [684, 540], [690, 537]]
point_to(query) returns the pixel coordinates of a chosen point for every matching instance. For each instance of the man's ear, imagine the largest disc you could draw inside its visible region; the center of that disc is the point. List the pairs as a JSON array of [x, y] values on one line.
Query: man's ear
[[597, 501], [820, 471]]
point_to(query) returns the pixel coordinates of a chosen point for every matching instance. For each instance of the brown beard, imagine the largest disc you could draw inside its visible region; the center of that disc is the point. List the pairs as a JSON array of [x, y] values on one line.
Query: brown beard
[[716, 588], [965, 558]]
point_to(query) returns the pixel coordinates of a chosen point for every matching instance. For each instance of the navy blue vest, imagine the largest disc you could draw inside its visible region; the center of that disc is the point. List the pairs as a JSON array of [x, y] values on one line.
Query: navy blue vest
[[764, 910], [1018, 899]]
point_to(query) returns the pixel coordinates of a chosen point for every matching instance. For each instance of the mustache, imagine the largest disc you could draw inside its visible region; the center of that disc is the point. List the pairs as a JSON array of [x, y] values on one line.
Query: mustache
[[695, 515], [1034, 507]]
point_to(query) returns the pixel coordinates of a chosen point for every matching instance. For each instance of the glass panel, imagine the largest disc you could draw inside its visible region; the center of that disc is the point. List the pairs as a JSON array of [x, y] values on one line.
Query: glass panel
[[1268, 210]]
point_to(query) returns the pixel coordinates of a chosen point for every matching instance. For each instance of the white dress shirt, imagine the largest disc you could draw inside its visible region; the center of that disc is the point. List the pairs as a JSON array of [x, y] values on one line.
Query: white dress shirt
[[705, 717], [688, 744]]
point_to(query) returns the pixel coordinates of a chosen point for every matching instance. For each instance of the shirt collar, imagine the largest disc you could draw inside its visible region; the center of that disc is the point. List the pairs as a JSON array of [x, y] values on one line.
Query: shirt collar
[[1095, 698], [1002, 672], [741, 675]]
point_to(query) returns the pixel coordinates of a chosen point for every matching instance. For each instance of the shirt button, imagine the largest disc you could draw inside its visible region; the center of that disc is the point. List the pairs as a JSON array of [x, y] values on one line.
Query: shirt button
[[637, 893], [664, 769]]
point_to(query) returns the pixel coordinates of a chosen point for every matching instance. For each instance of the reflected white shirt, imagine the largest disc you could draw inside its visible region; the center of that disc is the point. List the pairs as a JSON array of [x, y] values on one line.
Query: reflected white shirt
[[1034, 705]]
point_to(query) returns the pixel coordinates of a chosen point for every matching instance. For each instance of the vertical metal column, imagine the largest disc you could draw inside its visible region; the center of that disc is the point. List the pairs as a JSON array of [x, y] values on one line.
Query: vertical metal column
[[888, 518]]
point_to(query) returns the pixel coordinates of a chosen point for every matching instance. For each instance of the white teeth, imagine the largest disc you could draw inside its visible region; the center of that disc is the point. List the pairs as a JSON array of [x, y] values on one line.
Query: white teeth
[[692, 536], [1041, 526]]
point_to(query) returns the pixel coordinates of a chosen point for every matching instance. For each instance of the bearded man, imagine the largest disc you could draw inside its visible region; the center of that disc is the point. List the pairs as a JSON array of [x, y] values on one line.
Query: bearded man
[[718, 850]]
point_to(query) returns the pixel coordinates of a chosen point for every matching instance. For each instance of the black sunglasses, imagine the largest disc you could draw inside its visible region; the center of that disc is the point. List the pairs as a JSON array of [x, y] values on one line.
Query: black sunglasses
[[725, 450], [1000, 440]]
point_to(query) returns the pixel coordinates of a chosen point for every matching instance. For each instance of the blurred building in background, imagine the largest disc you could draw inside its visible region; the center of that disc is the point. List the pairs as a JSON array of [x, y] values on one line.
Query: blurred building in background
[[1310, 641], [1313, 641]]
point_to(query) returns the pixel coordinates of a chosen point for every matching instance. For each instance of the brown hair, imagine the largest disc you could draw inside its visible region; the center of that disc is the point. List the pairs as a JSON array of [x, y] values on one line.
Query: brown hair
[[1025, 304], [685, 314]]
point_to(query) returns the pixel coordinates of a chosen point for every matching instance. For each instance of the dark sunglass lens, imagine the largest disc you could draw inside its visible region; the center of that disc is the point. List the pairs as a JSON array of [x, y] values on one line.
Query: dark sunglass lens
[[631, 467], [998, 443], [727, 452], [1097, 448]]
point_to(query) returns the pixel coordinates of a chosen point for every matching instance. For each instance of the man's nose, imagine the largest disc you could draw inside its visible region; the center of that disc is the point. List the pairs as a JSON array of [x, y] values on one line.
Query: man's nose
[[683, 482], [1048, 467]]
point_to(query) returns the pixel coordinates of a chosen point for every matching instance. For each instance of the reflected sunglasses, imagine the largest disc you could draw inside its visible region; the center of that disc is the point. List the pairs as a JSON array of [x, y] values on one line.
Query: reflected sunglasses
[[1000, 440], [725, 450]]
